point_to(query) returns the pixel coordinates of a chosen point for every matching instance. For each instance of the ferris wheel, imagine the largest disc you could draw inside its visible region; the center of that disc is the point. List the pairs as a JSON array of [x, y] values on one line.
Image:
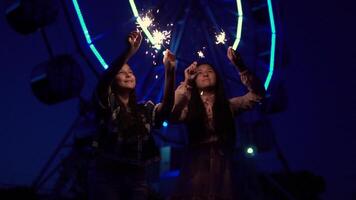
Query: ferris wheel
[[248, 26]]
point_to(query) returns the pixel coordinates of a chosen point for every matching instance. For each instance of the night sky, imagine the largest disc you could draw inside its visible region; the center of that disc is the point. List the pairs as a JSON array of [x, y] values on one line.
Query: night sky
[[317, 132]]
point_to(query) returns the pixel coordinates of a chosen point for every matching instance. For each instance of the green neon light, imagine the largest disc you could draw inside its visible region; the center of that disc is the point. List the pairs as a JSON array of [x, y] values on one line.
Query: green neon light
[[87, 35], [239, 25], [273, 44], [98, 56]]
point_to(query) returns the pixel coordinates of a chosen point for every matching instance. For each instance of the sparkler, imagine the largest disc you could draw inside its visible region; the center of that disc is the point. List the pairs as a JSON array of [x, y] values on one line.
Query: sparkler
[[220, 38], [155, 37], [201, 54], [146, 21], [161, 38]]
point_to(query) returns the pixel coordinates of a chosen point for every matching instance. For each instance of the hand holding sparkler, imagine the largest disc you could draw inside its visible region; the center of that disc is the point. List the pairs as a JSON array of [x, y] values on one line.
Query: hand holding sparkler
[[134, 39], [182, 96], [169, 60], [190, 73], [183, 92], [235, 58]]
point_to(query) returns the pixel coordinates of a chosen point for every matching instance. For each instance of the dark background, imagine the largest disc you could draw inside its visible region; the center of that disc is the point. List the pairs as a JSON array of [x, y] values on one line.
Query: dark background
[[316, 132]]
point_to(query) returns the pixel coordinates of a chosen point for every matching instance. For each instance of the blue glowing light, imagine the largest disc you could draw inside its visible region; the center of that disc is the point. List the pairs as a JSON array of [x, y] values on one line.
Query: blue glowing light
[[165, 124]]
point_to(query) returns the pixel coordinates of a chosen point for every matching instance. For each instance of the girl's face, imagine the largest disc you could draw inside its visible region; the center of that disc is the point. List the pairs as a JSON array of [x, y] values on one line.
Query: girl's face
[[125, 79], [206, 77]]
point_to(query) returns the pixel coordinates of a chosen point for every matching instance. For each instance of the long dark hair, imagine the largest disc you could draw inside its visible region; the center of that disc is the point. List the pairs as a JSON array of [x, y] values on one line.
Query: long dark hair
[[129, 120], [223, 120]]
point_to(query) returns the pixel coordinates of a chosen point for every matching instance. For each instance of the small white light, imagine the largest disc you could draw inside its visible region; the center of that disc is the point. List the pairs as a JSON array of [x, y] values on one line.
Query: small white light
[[201, 54], [250, 150]]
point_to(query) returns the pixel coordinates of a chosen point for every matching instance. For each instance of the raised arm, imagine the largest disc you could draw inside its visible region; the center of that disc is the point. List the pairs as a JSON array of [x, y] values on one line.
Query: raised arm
[[256, 91], [164, 109], [134, 41], [182, 95]]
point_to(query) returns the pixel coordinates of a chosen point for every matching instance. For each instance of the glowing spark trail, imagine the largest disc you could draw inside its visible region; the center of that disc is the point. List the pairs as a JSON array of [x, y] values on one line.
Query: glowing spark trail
[[146, 21], [160, 37], [201, 54], [220, 38]]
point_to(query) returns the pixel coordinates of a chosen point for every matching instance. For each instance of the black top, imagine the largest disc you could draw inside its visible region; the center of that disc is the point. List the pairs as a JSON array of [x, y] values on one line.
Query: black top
[[124, 135]]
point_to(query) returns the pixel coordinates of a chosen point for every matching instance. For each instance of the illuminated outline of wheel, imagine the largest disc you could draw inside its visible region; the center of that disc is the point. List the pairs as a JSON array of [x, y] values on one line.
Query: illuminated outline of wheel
[[151, 39]]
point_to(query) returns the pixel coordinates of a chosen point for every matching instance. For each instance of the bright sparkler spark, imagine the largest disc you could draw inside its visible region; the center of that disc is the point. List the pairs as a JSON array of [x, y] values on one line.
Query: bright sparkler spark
[[147, 21], [156, 37], [220, 38], [160, 37], [201, 54]]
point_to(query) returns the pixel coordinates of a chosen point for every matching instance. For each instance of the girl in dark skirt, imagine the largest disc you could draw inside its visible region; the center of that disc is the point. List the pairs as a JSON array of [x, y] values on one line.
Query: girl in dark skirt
[[200, 102]]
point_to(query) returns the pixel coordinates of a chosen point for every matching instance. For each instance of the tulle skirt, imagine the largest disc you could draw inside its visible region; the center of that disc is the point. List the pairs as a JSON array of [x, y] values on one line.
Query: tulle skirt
[[207, 173]]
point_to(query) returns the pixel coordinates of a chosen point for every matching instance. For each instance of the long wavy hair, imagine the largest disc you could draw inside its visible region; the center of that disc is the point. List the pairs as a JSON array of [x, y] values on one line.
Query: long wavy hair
[[223, 120]]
